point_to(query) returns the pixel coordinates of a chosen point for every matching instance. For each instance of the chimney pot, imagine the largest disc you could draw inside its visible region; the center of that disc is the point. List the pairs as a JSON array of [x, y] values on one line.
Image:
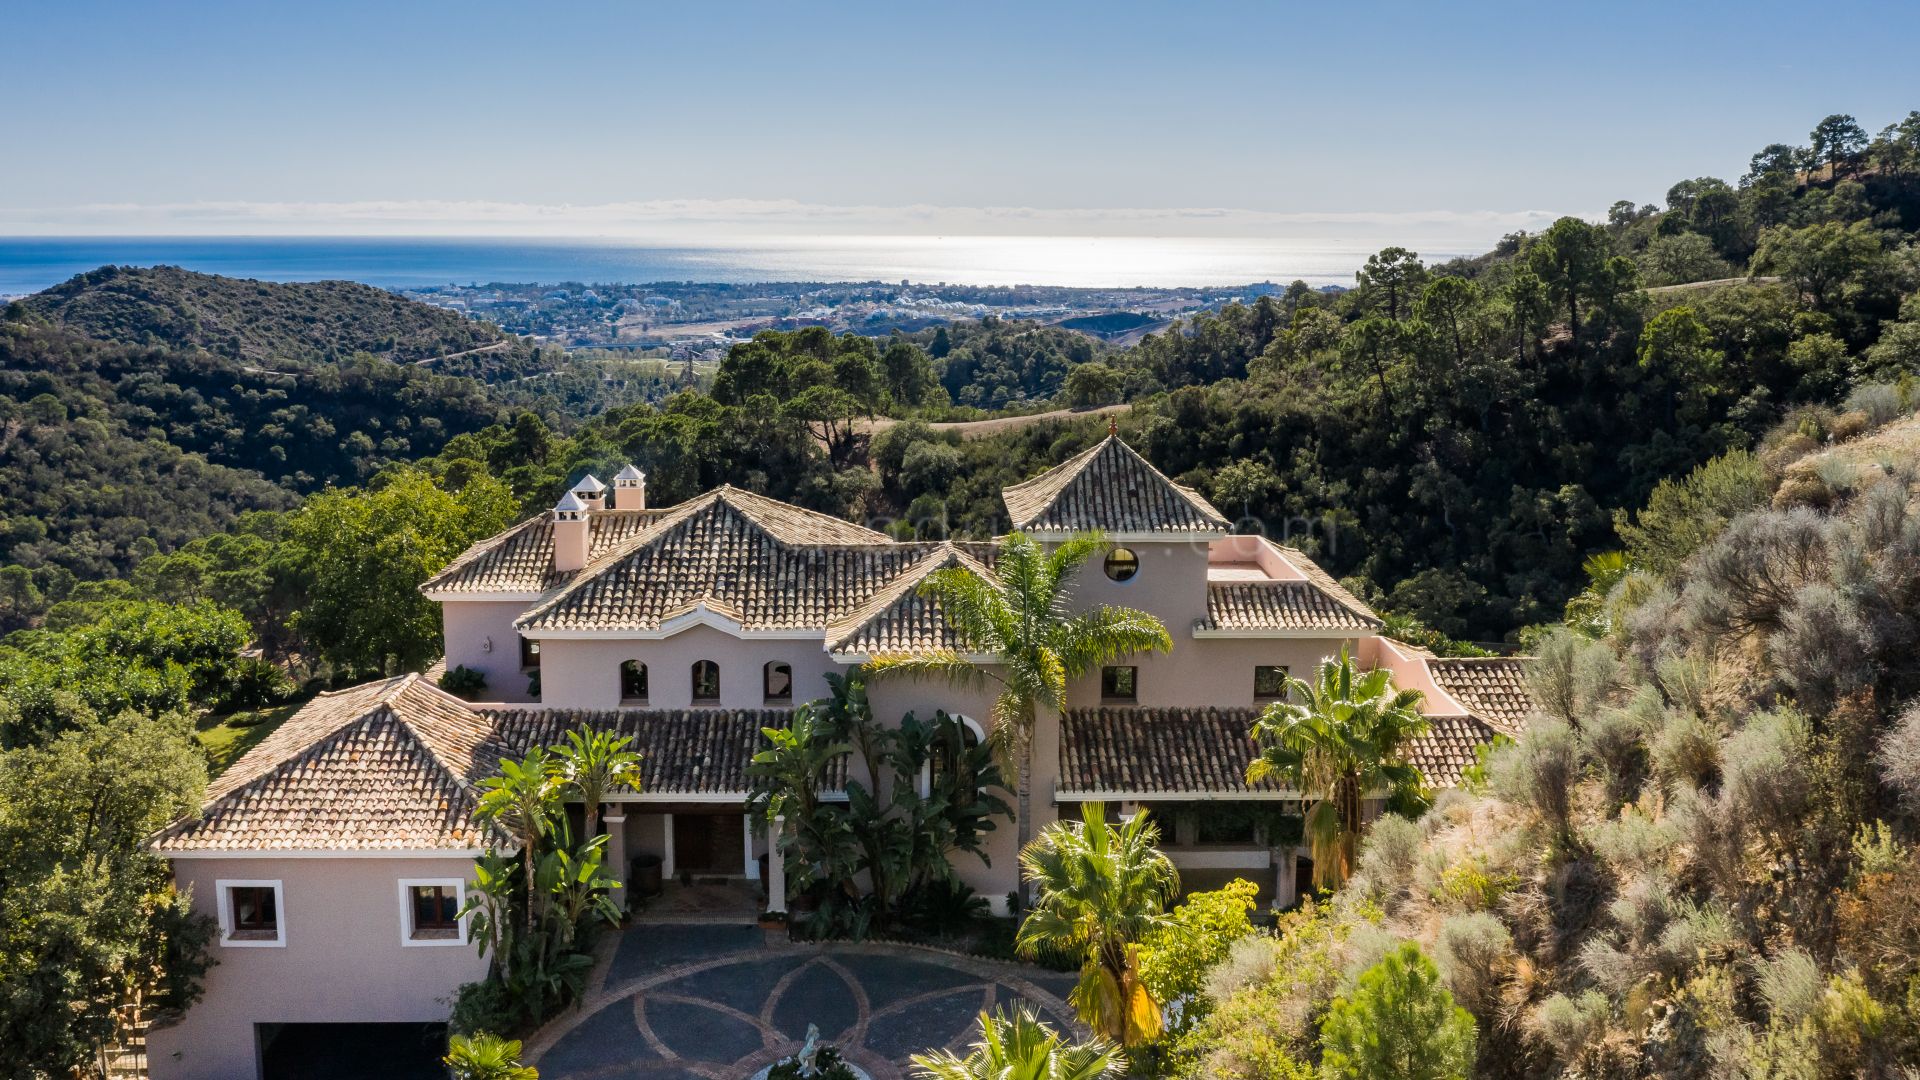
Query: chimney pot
[[591, 491], [630, 489], [570, 536]]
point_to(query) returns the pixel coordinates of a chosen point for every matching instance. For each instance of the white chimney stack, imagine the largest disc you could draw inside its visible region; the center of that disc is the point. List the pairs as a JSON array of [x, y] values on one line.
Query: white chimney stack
[[569, 533], [591, 491], [630, 489]]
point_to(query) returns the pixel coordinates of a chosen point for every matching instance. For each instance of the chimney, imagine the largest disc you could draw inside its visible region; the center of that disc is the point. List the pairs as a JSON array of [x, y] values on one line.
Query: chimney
[[630, 489], [591, 491], [569, 533]]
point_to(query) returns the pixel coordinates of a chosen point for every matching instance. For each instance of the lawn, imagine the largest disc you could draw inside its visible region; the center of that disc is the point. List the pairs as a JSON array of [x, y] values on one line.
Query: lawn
[[227, 737]]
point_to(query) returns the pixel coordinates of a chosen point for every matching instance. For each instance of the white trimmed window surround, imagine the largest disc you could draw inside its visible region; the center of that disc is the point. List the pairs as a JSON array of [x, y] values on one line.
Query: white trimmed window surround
[[414, 936], [234, 936]]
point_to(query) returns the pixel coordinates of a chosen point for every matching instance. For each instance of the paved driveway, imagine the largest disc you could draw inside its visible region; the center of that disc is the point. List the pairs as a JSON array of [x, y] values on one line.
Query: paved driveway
[[717, 1002]]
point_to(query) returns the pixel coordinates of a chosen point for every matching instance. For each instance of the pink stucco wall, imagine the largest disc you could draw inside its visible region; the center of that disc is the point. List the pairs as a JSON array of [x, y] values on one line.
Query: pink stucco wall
[[585, 673], [470, 626], [342, 963], [1171, 583], [894, 697]]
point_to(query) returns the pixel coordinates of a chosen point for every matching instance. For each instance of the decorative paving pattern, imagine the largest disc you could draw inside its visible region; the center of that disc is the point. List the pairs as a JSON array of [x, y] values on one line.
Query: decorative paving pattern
[[719, 1003]]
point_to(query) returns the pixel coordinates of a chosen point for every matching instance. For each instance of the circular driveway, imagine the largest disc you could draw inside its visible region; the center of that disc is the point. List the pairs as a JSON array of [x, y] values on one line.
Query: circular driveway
[[719, 1003]]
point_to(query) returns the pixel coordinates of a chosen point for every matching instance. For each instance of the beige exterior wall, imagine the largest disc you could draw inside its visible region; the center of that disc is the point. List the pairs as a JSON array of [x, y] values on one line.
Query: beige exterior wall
[[1171, 584], [480, 635], [343, 961], [585, 673], [893, 698], [1214, 672]]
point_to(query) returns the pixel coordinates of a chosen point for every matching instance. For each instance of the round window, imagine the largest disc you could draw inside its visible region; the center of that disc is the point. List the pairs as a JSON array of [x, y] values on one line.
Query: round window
[[1122, 564]]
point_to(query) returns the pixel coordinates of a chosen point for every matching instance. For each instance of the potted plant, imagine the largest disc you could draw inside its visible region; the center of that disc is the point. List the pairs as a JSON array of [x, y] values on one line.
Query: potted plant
[[773, 920]]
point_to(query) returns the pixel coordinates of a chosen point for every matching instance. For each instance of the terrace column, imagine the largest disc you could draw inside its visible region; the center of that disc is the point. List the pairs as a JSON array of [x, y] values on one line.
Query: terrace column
[[666, 852], [617, 856], [776, 867]]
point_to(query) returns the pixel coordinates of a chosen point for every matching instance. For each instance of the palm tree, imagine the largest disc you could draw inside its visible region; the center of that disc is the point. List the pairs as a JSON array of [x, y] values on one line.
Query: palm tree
[[1018, 1046], [1102, 889], [1336, 741], [487, 1057], [522, 799], [1019, 618], [595, 762]]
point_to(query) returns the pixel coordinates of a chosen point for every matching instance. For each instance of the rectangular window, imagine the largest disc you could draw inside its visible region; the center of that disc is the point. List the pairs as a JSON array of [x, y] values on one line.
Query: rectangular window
[[529, 654], [250, 913], [1119, 683], [430, 911], [1269, 682]]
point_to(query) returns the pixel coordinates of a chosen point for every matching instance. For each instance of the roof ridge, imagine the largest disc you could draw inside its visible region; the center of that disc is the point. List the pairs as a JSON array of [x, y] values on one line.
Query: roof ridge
[[655, 530], [1028, 501], [479, 549], [876, 605]]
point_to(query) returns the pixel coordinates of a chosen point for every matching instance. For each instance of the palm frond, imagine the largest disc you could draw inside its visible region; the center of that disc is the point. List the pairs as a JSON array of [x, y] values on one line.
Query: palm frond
[[938, 664]]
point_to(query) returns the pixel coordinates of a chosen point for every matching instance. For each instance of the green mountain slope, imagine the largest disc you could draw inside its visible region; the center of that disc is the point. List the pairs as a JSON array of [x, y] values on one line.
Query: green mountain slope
[[110, 448], [258, 321]]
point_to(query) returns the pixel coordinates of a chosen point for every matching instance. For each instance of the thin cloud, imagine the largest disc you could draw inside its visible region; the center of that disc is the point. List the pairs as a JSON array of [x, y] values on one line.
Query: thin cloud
[[721, 221]]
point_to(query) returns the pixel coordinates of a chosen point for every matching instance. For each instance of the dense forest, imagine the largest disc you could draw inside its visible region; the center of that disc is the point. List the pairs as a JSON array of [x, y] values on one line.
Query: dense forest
[[261, 322]]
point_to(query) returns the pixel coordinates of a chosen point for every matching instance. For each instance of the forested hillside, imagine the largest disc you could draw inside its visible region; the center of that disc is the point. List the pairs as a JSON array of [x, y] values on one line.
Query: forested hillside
[[114, 449], [268, 324], [1459, 438]]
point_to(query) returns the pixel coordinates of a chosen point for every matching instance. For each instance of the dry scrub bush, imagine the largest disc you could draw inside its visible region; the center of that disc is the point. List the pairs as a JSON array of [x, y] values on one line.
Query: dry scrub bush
[[1539, 772], [1879, 402], [1746, 579], [1474, 953], [1898, 757], [1572, 676]]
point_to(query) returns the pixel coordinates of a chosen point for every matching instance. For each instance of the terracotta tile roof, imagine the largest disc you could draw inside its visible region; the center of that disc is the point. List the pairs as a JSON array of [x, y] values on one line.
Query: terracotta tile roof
[[1195, 751], [1157, 751], [385, 766], [520, 560], [1279, 605], [1447, 748], [762, 563], [1112, 488], [1326, 583], [897, 619], [1493, 688], [684, 751]]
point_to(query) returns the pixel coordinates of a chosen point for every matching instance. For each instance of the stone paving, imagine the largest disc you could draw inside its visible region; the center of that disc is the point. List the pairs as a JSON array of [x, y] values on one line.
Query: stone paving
[[721, 1002]]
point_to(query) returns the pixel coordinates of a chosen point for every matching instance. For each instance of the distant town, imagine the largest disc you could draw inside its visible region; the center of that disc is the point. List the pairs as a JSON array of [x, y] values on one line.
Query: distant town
[[686, 320]]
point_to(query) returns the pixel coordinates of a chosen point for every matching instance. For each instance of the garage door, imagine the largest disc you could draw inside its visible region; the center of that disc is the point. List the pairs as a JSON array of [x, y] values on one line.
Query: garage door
[[351, 1051]]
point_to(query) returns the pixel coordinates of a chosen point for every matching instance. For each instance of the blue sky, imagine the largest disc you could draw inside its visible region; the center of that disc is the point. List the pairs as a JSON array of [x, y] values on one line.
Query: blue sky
[[1150, 119]]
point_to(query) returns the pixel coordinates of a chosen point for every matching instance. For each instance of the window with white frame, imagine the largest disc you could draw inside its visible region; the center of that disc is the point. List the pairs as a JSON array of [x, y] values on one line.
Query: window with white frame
[[430, 911], [251, 913]]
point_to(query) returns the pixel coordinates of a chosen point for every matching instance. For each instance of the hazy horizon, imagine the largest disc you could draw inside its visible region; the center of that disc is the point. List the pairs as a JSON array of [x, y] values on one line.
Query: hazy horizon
[[1400, 123]]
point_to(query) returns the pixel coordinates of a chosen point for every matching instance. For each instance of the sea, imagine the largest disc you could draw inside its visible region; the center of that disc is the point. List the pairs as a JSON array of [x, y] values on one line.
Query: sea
[[29, 264]]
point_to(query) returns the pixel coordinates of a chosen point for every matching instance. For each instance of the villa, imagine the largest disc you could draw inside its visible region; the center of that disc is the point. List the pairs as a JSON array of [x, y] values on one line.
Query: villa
[[336, 854]]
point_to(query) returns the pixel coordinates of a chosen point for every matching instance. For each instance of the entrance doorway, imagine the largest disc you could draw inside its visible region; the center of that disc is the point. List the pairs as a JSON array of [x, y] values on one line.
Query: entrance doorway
[[706, 845]]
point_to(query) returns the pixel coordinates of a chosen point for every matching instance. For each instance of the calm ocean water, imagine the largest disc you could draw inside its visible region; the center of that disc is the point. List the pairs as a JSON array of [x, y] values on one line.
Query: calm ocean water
[[31, 264]]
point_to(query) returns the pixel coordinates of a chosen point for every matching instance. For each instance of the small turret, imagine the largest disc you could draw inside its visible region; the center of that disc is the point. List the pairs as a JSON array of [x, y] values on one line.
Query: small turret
[[591, 491], [570, 533], [630, 489]]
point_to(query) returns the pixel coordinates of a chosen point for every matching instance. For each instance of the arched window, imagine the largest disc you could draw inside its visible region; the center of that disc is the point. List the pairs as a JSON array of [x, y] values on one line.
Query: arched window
[[952, 743], [633, 682], [706, 682], [778, 678]]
